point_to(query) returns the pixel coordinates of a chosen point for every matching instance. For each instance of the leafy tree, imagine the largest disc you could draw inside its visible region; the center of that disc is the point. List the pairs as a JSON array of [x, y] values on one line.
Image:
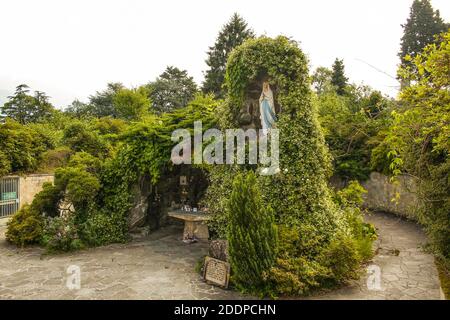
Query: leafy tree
[[43, 109], [86, 161], [131, 104], [252, 233], [321, 80], [338, 78], [46, 202], [419, 138], [233, 34], [173, 89], [116, 102], [21, 147], [54, 158], [108, 126], [25, 108], [102, 102], [420, 29], [354, 125], [78, 184], [79, 136], [25, 226], [19, 105], [351, 125], [59, 120], [80, 109], [5, 163]]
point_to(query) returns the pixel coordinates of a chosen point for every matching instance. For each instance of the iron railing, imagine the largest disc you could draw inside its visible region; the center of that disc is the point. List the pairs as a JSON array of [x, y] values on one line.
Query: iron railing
[[9, 196]]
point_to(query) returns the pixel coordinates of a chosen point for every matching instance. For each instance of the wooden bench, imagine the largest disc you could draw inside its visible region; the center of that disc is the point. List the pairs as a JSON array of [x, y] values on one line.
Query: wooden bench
[[194, 224]]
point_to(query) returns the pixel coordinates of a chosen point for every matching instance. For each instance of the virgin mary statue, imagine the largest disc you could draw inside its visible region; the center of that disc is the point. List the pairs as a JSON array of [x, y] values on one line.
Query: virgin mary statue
[[267, 108]]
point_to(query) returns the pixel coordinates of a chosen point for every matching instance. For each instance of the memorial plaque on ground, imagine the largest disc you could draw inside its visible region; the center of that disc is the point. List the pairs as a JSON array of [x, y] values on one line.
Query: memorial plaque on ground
[[216, 272]]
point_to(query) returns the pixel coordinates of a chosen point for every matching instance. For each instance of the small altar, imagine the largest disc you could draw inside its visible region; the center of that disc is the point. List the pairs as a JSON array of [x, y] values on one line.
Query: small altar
[[194, 224]]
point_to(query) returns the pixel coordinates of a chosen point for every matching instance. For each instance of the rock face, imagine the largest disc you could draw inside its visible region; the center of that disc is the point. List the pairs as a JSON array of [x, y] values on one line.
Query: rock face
[[65, 208], [218, 249], [138, 212], [149, 207], [151, 202]]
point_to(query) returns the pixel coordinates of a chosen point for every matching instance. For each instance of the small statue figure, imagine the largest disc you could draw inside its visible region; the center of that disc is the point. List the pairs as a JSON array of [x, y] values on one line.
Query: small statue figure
[[267, 108]]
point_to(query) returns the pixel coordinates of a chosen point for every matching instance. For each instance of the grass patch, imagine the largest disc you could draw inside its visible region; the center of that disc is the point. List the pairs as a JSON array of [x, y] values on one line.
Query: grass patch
[[199, 265]]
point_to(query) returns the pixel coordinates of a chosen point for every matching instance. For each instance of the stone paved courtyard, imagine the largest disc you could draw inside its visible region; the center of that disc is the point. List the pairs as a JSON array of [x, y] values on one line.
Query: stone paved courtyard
[[162, 267], [406, 271]]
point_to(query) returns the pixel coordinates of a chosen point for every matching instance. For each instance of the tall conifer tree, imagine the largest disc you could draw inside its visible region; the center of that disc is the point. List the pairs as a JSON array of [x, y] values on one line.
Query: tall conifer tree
[[25, 108], [338, 78], [420, 29], [234, 33], [252, 233]]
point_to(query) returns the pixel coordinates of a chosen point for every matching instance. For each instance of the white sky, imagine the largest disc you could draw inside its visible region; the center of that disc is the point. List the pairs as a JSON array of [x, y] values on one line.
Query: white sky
[[71, 48]]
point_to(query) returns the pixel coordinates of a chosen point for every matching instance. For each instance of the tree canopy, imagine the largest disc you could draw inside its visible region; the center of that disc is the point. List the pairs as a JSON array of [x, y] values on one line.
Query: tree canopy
[[25, 108], [321, 80], [173, 89], [101, 103], [234, 33], [338, 78], [423, 24], [131, 104], [419, 138]]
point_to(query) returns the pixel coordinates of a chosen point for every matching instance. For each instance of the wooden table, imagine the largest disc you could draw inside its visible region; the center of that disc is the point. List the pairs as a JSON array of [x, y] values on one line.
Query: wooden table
[[194, 224]]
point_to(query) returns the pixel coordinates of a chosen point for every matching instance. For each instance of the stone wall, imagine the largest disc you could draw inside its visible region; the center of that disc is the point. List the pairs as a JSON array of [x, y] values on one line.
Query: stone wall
[[381, 192], [30, 185]]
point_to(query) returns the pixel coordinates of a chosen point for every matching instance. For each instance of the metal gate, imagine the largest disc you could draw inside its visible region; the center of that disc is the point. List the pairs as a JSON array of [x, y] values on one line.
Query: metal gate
[[9, 196]]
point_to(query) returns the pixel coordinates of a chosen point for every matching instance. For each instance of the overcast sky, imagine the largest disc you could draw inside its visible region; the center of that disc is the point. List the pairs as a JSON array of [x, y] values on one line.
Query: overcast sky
[[72, 48]]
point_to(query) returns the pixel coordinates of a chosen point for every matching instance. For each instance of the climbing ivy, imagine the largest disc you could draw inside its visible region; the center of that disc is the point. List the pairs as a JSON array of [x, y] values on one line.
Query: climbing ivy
[[312, 227], [100, 189], [300, 191], [146, 149], [419, 139], [280, 59]]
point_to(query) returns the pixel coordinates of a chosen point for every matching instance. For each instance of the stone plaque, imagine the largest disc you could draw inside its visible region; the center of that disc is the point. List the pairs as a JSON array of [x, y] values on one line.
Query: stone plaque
[[216, 272]]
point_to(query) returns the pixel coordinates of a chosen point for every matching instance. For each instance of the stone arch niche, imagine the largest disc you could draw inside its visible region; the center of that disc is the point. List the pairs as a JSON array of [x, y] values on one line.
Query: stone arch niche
[[249, 114], [151, 202]]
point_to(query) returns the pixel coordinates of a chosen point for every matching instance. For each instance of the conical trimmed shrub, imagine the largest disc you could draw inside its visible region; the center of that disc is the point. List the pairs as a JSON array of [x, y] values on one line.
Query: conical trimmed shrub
[[252, 234]]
